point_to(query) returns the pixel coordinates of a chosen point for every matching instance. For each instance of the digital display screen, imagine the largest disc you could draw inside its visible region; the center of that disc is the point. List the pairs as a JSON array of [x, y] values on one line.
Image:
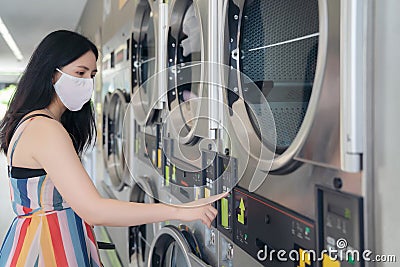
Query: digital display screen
[[339, 211]]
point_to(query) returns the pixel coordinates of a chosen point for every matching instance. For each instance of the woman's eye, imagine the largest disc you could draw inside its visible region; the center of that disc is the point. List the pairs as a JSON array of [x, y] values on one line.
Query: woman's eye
[[81, 73]]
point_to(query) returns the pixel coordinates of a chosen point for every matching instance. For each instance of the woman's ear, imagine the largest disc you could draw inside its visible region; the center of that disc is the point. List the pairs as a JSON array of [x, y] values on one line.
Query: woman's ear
[[56, 76]]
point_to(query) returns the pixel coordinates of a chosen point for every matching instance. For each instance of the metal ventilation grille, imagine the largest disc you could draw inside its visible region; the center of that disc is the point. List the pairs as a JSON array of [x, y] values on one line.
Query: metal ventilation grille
[[287, 122], [283, 62], [279, 46]]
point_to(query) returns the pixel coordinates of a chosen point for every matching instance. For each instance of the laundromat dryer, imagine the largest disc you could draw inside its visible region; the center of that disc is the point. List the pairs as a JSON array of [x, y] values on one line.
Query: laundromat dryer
[[145, 164], [188, 126], [116, 81], [116, 123], [293, 105]]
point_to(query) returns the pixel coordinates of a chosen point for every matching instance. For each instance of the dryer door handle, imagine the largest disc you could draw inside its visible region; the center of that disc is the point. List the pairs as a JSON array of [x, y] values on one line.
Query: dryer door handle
[[352, 83]]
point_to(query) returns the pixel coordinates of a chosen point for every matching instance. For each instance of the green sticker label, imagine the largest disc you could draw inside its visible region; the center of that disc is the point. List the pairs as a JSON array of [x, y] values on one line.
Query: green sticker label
[[224, 213]]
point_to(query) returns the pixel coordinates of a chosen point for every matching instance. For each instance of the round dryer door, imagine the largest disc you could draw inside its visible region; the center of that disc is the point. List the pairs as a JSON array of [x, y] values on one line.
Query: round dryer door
[[117, 163], [184, 51], [275, 46], [105, 145], [175, 247], [143, 61], [142, 235]]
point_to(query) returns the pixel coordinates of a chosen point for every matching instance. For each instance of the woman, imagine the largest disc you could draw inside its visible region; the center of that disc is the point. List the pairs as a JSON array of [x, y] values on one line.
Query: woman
[[48, 125]]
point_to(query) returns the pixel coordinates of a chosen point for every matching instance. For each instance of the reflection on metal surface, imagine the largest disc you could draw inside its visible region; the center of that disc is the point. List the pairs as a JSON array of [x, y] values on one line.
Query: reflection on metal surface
[[184, 48], [286, 74], [286, 42], [175, 246], [144, 62], [141, 236], [116, 133]]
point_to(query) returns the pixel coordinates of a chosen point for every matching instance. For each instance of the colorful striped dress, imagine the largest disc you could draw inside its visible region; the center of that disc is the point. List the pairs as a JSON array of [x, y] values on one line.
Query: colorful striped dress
[[46, 231]]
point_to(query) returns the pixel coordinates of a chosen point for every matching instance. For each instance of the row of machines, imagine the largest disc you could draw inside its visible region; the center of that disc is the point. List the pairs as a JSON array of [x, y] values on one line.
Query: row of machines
[[248, 97]]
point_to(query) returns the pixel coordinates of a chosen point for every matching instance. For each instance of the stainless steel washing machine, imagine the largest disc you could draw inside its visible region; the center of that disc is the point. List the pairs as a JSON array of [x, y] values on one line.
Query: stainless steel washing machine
[[140, 237], [115, 174], [189, 123], [148, 43], [190, 117], [176, 246], [116, 77], [294, 112], [148, 38], [117, 134]]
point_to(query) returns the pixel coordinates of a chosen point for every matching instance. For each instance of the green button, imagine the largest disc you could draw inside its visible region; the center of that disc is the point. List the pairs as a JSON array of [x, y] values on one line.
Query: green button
[[224, 213], [245, 236], [308, 230], [166, 175], [136, 146], [350, 259]]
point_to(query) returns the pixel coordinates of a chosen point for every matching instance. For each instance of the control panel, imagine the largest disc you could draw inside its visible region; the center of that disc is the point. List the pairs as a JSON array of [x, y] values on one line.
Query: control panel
[[220, 175], [210, 175], [227, 179], [340, 223], [184, 180], [272, 234], [140, 151], [153, 147]]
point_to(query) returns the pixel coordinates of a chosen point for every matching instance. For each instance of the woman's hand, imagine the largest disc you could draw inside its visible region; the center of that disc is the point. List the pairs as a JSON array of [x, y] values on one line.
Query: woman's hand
[[199, 210], [205, 213]]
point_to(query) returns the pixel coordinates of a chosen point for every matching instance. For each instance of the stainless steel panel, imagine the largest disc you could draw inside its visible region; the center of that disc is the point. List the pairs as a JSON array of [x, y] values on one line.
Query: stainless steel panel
[[161, 253], [139, 194], [352, 82], [184, 115], [385, 140], [322, 143], [147, 59], [117, 161]]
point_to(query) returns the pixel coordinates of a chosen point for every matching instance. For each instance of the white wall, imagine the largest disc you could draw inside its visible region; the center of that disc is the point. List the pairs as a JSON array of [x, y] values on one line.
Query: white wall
[[387, 127]]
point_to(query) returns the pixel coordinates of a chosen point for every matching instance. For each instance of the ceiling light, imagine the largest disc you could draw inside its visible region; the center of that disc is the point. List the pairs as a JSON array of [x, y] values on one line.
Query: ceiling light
[[10, 41]]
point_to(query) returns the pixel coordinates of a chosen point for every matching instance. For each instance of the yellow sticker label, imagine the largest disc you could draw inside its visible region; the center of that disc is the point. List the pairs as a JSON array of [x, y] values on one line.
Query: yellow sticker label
[[328, 262], [240, 216], [305, 258], [159, 158]]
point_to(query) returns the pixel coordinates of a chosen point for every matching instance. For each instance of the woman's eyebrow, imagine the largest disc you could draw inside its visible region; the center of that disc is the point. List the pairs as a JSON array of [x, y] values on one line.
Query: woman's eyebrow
[[83, 67], [86, 68]]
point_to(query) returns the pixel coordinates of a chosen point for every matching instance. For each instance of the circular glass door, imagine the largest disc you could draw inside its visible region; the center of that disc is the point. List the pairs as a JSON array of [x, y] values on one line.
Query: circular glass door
[[117, 166], [143, 63], [171, 248], [184, 51], [274, 44]]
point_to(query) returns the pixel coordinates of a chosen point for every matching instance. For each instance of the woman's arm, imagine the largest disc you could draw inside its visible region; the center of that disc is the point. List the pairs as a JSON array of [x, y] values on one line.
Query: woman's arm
[[54, 151]]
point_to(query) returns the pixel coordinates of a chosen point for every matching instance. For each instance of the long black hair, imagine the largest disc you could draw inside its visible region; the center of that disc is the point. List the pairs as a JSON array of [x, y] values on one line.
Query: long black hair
[[35, 89]]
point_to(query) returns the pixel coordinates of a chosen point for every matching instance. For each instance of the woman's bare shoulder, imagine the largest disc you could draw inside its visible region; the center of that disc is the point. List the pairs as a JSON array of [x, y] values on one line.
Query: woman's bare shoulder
[[46, 128]]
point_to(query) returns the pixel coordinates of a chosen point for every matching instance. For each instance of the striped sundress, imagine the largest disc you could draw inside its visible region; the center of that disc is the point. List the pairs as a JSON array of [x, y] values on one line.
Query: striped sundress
[[46, 231]]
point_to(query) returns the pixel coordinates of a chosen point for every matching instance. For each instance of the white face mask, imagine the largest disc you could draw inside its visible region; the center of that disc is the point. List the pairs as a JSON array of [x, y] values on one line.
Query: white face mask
[[74, 92]]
